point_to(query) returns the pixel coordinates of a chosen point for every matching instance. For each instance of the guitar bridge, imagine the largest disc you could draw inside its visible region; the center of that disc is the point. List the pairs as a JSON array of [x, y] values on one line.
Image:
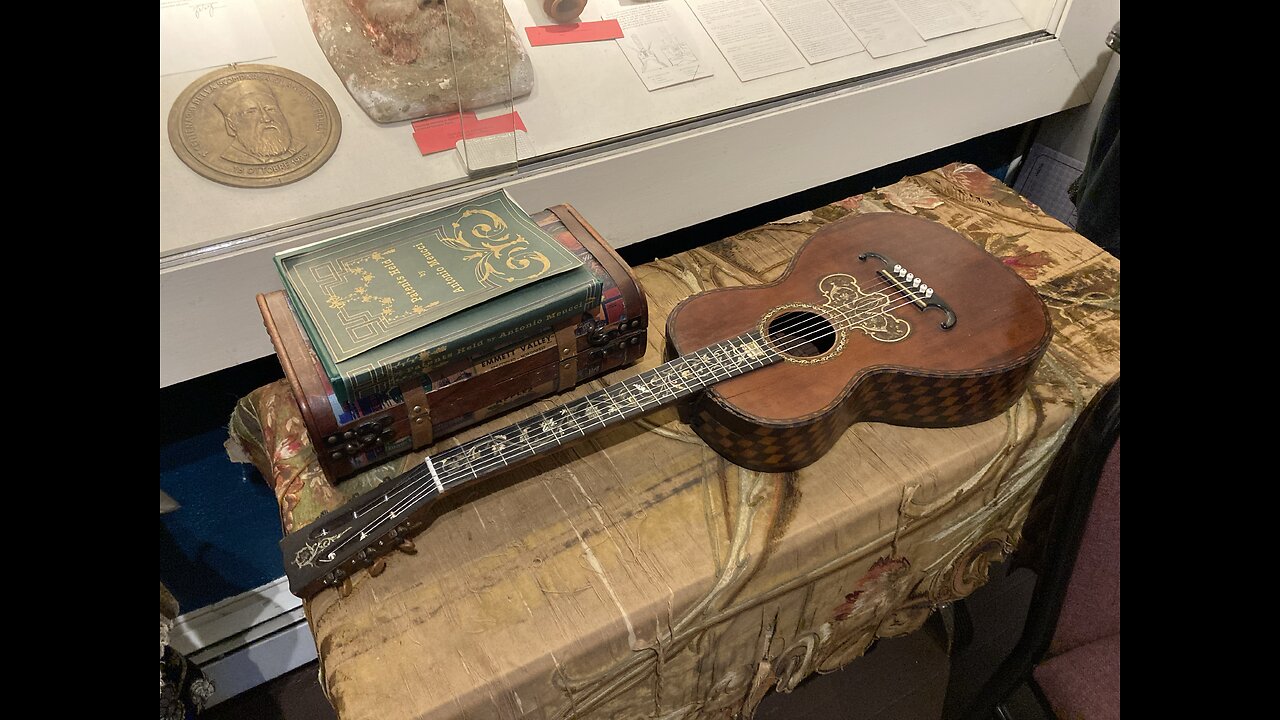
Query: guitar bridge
[[913, 287]]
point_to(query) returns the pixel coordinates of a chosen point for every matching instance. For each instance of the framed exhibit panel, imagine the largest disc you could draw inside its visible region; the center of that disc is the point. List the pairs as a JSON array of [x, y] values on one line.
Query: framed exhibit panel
[[701, 108]]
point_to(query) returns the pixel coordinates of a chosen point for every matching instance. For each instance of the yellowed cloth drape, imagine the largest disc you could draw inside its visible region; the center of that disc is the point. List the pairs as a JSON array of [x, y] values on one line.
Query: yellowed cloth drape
[[638, 574]]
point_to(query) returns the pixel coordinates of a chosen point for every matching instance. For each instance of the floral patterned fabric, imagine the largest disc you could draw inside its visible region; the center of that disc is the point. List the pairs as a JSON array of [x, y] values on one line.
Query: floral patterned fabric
[[639, 574]]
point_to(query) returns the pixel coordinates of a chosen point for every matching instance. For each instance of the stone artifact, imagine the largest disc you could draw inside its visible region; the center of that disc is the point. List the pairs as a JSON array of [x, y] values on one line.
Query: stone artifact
[[254, 126], [406, 59]]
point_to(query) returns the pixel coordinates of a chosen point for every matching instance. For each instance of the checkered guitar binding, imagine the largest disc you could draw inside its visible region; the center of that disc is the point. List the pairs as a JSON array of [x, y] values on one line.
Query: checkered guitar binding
[[880, 317]]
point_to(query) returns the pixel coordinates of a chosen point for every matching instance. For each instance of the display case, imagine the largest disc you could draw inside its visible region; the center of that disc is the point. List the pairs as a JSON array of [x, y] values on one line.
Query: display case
[[701, 108]]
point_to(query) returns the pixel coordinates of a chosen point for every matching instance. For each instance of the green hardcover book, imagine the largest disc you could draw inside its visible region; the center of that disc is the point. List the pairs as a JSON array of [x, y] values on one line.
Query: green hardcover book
[[360, 291], [501, 321]]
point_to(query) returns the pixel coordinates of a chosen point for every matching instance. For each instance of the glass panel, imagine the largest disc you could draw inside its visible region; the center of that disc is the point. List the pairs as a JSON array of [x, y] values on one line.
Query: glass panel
[[491, 67], [366, 104]]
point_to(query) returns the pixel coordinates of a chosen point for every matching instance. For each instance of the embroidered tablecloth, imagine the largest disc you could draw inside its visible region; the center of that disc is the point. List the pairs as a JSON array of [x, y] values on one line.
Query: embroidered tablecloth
[[639, 574]]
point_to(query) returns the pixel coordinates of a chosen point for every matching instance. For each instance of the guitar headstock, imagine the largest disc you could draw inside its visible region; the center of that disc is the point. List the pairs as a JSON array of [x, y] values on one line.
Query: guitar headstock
[[337, 544]]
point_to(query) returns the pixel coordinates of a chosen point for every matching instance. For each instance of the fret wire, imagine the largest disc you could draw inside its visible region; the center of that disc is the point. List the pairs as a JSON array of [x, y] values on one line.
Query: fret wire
[[693, 369], [645, 383], [524, 435], [690, 369], [576, 411], [654, 382], [585, 405], [721, 362], [577, 422], [626, 400], [662, 382], [570, 415], [712, 362], [552, 426], [599, 415], [671, 365], [495, 449], [719, 354], [471, 465], [467, 457], [613, 403], [630, 401]]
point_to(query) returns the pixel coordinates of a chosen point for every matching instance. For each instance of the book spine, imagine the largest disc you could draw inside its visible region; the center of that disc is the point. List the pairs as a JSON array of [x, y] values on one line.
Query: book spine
[[304, 320], [536, 317]]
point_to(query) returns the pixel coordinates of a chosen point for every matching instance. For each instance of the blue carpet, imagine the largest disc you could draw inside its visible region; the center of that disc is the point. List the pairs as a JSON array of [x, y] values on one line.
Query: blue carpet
[[223, 540]]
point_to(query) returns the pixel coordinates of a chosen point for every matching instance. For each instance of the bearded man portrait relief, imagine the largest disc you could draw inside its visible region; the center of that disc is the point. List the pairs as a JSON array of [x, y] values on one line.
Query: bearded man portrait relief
[[259, 130]]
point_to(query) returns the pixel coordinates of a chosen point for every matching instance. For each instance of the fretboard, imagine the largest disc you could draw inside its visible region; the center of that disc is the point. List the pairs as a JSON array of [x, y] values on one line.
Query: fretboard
[[622, 401], [332, 547]]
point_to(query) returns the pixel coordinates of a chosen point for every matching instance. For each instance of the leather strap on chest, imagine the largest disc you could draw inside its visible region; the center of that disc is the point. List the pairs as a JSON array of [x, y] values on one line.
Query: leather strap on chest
[[623, 277], [415, 404]]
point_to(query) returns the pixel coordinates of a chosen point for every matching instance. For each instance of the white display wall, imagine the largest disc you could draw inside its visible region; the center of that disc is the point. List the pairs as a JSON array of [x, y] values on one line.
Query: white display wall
[[637, 163]]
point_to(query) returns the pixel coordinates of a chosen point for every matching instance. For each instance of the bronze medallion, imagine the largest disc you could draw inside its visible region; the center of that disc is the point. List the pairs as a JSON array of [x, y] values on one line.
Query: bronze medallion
[[254, 126]]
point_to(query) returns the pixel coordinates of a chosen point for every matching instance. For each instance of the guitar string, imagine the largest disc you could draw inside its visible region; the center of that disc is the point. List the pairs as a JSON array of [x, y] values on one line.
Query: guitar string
[[420, 474], [823, 328], [427, 487], [817, 323]]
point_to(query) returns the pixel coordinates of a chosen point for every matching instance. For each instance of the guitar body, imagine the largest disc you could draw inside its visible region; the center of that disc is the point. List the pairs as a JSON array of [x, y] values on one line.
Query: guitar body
[[884, 355]]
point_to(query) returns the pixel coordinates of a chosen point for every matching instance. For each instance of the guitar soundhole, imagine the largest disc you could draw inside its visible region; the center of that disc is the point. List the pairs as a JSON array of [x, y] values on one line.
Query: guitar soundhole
[[801, 334]]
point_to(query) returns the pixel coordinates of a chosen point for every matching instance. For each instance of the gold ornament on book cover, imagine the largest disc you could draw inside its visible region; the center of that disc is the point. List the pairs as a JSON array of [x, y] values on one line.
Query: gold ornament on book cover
[[496, 246], [379, 304]]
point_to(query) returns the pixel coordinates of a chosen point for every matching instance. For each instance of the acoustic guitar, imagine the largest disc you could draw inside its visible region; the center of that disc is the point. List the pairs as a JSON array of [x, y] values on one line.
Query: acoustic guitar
[[879, 317]]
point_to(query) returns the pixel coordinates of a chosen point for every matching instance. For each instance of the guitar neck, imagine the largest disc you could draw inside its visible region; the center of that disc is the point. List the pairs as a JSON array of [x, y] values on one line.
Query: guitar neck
[[613, 405], [331, 548]]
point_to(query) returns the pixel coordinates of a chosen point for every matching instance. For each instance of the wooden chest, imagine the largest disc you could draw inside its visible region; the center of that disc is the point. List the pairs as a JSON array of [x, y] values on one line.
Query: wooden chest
[[349, 438]]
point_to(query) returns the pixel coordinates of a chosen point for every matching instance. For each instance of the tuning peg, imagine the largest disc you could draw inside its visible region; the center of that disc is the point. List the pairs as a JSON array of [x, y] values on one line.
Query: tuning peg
[[345, 588], [408, 548], [377, 567]]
